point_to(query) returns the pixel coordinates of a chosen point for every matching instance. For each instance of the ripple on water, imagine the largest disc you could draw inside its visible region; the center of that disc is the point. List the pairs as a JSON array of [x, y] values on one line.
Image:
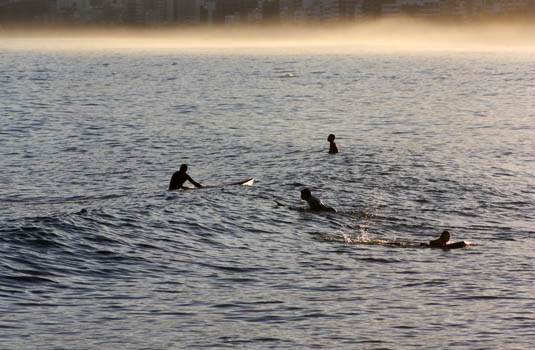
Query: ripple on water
[[92, 239]]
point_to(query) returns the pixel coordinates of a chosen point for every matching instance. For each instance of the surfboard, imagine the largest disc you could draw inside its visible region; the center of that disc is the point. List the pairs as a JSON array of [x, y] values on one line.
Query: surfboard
[[461, 244], [456, 245], [306, 209], [248, 182]]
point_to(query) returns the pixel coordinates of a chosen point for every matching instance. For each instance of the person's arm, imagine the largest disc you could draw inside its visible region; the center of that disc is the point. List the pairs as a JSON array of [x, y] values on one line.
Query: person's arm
[[326, 208], [196, 184], [331, 209]]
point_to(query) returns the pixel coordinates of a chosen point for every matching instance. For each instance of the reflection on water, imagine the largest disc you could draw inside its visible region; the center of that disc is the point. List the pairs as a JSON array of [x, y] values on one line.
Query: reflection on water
[[96, 251]]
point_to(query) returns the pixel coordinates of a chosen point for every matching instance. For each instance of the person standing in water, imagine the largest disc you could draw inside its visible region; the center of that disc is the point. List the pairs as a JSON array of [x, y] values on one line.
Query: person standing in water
[[179, 177], [333, 148], [314, 203]]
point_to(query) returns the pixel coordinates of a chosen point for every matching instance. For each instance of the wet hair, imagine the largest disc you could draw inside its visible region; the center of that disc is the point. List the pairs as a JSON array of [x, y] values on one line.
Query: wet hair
[[305, 192], [184, 168], [331, 137], [445, 235]]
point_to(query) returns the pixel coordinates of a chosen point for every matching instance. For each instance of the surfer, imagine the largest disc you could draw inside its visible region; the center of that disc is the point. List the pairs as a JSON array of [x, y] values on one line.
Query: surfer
[[333, 148], [442, 242], [179, 177], [315, 203]]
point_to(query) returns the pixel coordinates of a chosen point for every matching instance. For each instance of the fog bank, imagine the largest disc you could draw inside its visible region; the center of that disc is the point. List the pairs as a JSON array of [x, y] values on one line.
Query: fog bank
[[392, 34]]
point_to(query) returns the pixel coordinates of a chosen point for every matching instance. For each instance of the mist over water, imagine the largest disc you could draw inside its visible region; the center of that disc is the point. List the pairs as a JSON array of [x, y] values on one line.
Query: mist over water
[[96, 253], [387, 34]]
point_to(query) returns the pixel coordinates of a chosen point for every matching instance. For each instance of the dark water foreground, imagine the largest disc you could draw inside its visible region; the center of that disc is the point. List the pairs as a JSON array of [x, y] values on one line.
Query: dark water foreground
[[97, 254]]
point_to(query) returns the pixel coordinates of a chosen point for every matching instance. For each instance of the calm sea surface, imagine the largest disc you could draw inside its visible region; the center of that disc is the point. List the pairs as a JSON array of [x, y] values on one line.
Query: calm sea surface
[[96, 254]]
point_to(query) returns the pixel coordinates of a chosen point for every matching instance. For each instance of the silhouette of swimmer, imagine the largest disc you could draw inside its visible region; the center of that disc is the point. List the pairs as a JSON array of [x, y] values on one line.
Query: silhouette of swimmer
[[315, 203], [179, 177], [333, 148], [442, 242]]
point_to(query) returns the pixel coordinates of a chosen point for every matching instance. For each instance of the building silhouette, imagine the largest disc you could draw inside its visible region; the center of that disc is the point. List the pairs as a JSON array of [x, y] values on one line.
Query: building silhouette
[[25, 10], [195, 12]]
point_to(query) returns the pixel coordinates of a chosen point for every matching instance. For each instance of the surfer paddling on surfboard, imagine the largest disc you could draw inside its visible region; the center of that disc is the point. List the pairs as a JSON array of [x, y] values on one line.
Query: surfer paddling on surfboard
[[442, 242], [179, 177], [315, 203]]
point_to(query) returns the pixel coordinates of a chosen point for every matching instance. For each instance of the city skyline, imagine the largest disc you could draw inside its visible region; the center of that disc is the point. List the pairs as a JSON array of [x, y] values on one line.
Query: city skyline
[[234, 12]]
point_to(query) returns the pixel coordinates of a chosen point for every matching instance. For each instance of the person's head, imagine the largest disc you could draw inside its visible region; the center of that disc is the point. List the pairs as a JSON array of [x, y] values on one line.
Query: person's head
[[331, 138], [183, 168], [305, 194], [445, 236]]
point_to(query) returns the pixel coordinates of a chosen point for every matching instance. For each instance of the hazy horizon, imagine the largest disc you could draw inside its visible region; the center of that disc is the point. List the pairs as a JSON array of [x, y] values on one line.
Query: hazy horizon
[[388, 34]]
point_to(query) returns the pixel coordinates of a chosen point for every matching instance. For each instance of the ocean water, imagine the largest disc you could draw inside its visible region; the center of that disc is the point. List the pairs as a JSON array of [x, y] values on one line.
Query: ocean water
[[97, 254]]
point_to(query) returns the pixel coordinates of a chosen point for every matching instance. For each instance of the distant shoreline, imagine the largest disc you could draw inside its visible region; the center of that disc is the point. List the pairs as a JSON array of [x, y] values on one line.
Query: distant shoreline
[[29, 26]]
